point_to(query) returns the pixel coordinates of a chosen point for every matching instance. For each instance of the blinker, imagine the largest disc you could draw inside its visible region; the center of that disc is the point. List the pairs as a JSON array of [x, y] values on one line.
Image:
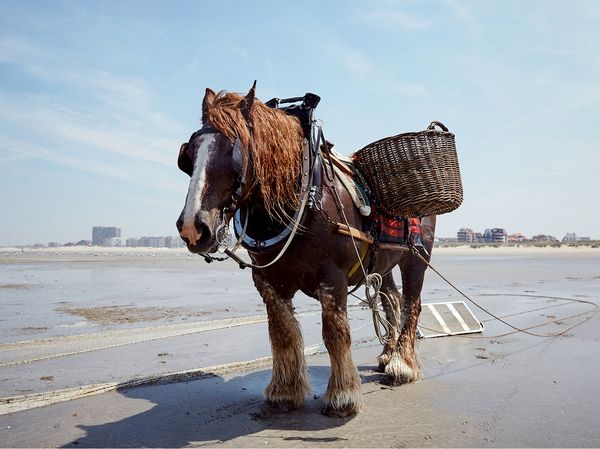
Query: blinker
[[183, 162], [237, 157]]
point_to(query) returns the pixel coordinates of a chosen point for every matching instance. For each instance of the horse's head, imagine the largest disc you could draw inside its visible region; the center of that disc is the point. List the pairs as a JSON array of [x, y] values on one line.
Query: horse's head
[[215, 163], [245, 151]]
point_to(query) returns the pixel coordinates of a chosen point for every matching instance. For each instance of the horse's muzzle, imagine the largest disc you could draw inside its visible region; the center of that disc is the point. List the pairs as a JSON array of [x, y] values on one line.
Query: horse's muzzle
[[197, 235]]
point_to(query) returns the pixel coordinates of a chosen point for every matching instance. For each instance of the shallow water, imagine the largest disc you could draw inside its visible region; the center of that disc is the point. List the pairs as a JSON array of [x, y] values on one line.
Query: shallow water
[[50, 295], [38, 297]]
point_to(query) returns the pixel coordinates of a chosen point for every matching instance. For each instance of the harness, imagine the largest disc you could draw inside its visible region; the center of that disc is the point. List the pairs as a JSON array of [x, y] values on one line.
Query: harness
[[307, 186], [310, 181], [317, 159]]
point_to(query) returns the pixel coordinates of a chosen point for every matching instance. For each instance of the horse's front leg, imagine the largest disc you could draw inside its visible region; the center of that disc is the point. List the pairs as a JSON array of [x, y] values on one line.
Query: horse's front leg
[[343, 396], [289, 383]]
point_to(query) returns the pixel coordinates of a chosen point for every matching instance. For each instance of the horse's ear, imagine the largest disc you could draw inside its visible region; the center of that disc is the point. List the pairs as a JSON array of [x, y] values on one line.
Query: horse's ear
[[247, 102], [209, 97]]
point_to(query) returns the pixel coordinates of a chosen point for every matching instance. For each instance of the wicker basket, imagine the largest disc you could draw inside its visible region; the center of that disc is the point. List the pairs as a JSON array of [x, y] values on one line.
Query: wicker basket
[[413, 174]]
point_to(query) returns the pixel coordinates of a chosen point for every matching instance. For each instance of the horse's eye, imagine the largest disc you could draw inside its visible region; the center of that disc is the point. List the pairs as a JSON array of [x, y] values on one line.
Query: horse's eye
[[184, 162]]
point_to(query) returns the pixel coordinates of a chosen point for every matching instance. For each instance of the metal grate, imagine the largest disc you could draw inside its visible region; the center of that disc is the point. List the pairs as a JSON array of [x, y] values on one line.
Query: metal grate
[[447, 318]]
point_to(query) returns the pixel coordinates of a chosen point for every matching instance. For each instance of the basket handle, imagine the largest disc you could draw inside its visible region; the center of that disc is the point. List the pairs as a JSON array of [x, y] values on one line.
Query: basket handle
[[435, 123]]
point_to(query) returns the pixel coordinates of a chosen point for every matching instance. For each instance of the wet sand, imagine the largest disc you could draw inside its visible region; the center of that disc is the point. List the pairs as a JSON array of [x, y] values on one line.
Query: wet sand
[[490, 390]]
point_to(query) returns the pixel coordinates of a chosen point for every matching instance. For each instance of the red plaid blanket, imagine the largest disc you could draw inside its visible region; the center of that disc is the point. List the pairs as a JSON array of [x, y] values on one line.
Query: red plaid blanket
[[398, 230]]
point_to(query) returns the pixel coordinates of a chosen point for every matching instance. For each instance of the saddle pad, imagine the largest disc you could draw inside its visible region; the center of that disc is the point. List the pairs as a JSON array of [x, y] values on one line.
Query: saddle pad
[[359, 198], [398, 230]]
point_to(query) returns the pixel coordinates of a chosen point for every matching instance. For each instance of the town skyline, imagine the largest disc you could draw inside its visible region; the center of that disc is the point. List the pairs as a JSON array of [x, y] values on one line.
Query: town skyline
[[500, 235], [174, 241], [559, 236]]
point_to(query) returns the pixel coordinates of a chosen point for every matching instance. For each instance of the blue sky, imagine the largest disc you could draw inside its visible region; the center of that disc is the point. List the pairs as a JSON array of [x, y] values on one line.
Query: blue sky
[[96, 97]]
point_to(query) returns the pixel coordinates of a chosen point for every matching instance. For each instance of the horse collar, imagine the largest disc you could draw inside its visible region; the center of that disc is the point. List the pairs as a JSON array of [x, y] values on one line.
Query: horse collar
[[260, 245]]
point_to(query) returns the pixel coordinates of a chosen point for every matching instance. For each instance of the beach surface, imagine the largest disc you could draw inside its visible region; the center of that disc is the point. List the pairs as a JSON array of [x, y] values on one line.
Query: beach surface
[[117, 347]]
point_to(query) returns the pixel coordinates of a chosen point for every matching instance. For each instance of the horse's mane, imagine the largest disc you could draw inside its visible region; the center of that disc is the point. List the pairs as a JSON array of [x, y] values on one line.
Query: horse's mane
[[276, 152]]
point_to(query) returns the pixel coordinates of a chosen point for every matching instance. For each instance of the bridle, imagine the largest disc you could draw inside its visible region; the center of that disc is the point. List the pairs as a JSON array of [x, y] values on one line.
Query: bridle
[[233, 208], [240, 168]]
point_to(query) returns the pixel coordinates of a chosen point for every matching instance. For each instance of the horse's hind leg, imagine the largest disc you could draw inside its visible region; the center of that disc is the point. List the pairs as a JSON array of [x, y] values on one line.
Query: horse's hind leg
[[403, 366], [289, 384], [343, 397], [390, 301]]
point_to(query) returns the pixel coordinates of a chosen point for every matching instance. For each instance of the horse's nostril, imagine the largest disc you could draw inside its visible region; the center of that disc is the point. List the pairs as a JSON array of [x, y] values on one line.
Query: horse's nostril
[[179, 223], [203, 230]]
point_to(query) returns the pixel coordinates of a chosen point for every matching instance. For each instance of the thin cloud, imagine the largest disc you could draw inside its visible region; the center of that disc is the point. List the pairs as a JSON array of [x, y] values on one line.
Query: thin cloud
[[24, 150], [20, 150], [108, 113], [62, 124], [349, 57], [392, 15], [462, 13]]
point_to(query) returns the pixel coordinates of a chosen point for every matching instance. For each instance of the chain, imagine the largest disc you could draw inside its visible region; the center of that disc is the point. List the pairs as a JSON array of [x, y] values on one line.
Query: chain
[[222, 233]]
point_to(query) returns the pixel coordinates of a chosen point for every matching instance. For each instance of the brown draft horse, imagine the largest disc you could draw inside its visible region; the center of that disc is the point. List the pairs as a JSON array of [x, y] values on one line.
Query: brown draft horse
[[317, 262]]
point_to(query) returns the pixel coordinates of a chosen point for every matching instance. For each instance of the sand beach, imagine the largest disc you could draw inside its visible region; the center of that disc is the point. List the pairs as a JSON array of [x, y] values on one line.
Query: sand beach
[[118, 347]]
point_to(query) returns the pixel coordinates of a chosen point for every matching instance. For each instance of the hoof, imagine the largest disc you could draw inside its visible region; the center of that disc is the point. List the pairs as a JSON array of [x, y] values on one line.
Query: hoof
[[281, 406], [382, 361], [344, 412], [286, 397], [400, 372], [342, 404], [392, 381]]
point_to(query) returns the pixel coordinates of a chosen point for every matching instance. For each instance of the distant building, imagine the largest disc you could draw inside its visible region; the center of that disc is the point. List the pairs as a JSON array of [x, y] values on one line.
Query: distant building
[[155, 242], [465, 235], [495, 235], [544, 238], [102, 233], [113, 241], [444, 240], [572, 237], [133, 242], [174, 242], [516, 237]]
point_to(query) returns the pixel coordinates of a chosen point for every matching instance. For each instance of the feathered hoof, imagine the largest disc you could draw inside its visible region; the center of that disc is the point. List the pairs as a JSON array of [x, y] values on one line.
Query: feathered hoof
[[382, 362], [400, 372], [342, 404], [287, 397], [344, 412], [281, 406]]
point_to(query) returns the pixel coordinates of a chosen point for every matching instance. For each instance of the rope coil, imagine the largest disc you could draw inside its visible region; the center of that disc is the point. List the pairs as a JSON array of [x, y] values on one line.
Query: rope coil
[[373, 282]]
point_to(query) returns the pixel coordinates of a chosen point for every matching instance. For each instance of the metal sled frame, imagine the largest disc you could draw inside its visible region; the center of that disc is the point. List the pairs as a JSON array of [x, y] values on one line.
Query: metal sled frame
[[441, 319]]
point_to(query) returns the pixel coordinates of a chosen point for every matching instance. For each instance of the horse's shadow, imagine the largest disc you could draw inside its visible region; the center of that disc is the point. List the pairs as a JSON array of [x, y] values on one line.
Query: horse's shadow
[[210, 410]]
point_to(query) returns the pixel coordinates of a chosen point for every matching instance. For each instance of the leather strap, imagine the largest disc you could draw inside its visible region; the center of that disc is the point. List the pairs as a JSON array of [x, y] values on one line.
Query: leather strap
[[341, 228]]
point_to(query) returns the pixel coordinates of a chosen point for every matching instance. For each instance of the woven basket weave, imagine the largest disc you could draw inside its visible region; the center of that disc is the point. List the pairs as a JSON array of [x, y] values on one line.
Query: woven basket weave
[[413, 174]]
